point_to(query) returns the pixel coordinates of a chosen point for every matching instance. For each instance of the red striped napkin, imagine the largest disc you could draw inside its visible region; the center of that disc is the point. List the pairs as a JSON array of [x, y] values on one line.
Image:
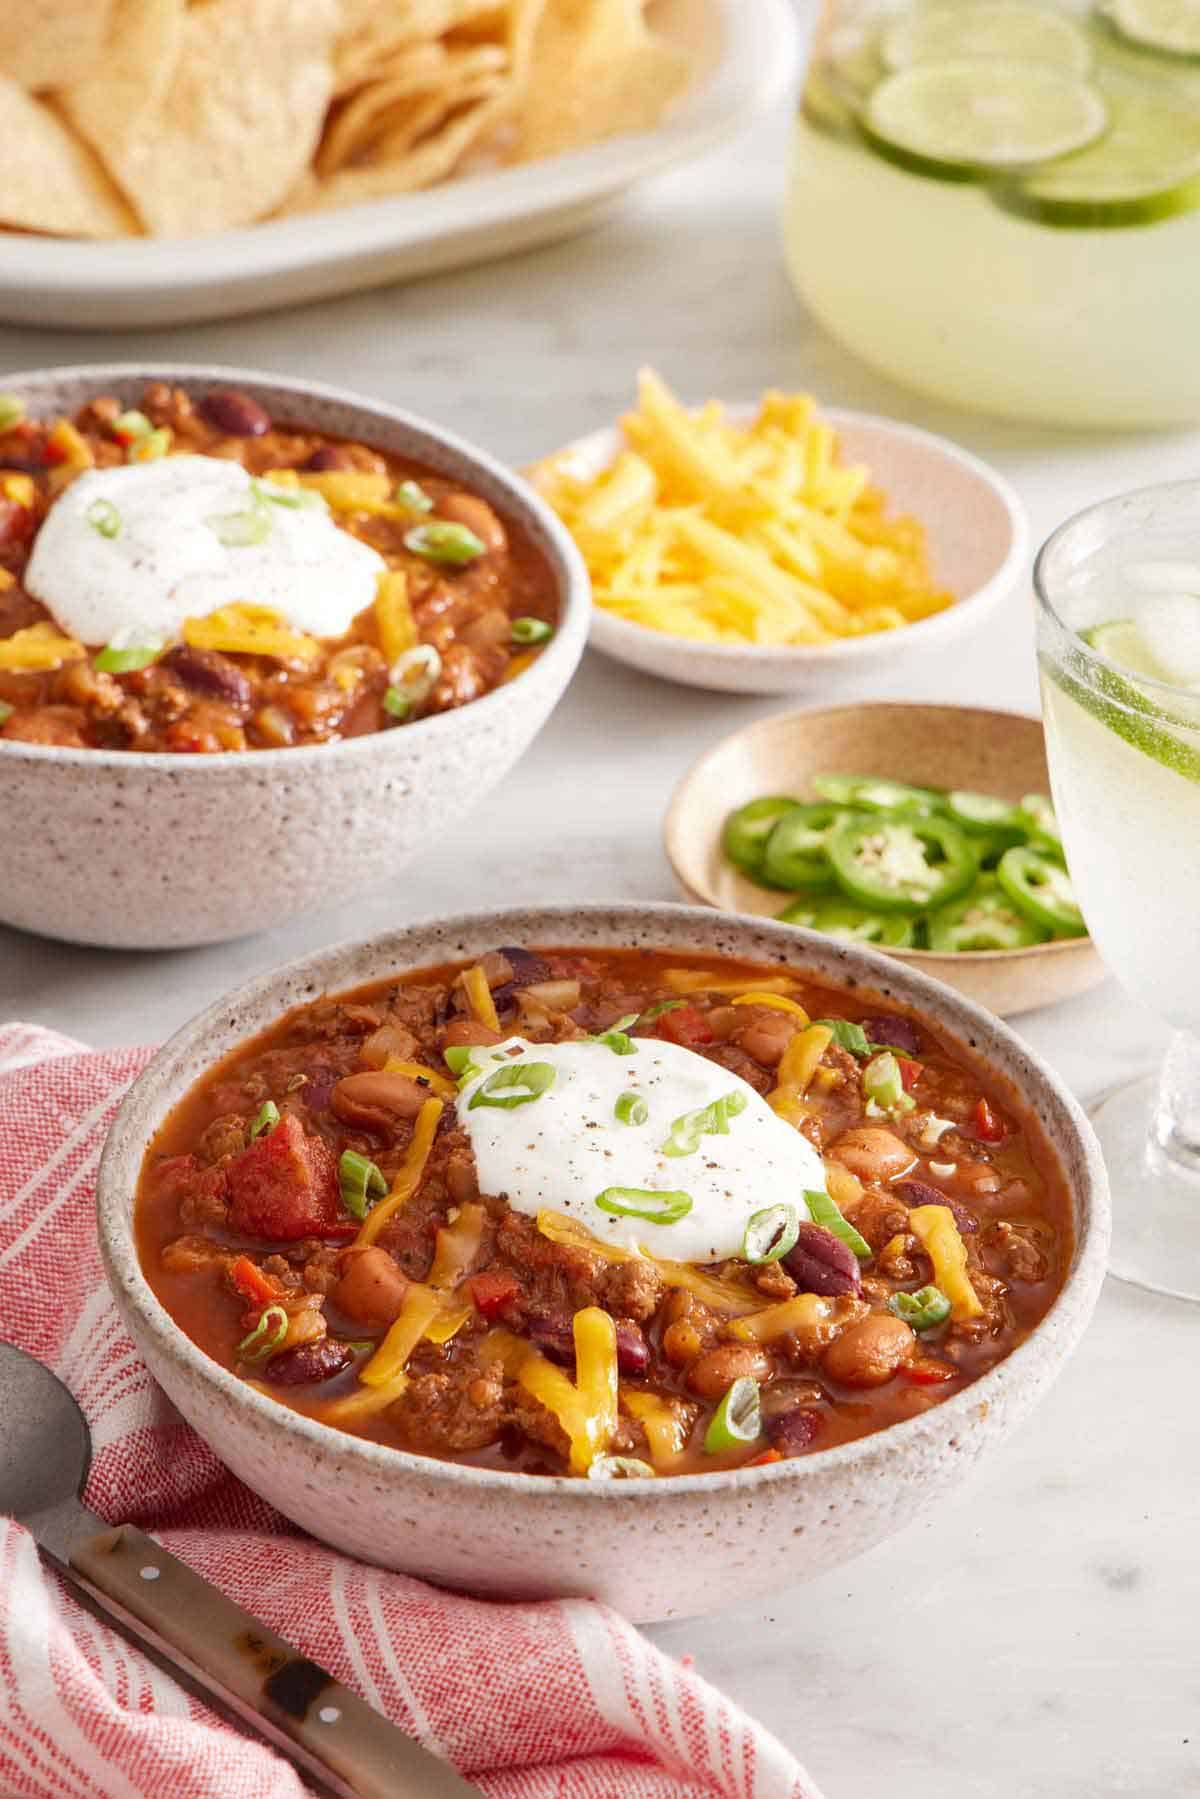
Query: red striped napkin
[[556, 1701]]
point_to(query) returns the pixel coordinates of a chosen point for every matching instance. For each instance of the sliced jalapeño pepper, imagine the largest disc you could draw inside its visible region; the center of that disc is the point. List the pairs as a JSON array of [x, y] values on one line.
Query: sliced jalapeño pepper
[[744, 839], [1041, 824], [852, 924], [983, 919], [901, 864], [1040, 887], [875, 793], [983, 815], [795, 855]]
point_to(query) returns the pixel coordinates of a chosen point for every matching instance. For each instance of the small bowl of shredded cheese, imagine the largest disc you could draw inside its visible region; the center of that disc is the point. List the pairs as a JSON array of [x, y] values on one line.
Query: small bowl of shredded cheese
[[763, 549]]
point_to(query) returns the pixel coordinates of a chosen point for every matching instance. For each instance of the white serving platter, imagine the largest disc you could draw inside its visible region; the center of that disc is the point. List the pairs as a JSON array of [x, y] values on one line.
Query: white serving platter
[[744, 52]]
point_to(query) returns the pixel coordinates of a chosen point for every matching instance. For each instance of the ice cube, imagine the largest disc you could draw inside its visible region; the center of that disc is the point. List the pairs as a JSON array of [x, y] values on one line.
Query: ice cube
[[1163, 577], [1170, 627]]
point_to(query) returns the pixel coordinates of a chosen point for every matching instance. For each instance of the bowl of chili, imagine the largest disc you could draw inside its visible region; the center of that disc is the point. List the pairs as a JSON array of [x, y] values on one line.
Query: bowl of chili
[[260, 639], [516, 1397], [955, 778]]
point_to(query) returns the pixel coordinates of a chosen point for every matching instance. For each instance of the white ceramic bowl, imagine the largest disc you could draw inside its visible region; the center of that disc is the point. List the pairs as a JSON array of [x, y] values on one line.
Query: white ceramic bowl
[[656, 1549], [978, 538], [153, 851]]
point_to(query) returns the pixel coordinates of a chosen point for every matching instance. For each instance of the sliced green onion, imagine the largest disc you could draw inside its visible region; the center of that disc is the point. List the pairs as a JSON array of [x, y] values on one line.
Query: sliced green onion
[[848, 1035], [923, 1310], [103, 516], [659, 1007], [531, 630], [620, 1467], [652, 1203], [6, 712], [240, 530], [445, 542], [707, 1121], [616, 1038], [131, 425], [631, 1108], [266, 1336], [823, 1211], [360, 1180], [396, 704], [151, 448], [296, 499], [516, 1084], [12, 411], [737, 1420], [117, 658], [360, 1345], [770, 1233], [884, 1086], [457, 1058], [265, 1119], [412, 495], [413, 675]]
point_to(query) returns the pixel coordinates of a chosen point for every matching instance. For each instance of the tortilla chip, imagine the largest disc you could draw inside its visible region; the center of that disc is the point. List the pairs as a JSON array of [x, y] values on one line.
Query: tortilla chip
[[372, 31], [415, 91], [51, 182], [44, 43], [596, 70], [238, 119], [121, 95]]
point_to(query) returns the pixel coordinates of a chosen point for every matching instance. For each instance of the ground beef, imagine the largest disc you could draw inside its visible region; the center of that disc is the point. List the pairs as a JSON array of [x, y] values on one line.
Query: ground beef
[[632, 1290], [452, 1410]]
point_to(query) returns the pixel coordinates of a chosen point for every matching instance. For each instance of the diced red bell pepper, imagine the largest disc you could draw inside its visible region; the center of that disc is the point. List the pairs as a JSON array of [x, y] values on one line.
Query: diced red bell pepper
[[928, 1373], [987, 1125], [685, 1025], [492, 1290], [761, 1461], [257, 1288], [910, 1072], [285, 1185]]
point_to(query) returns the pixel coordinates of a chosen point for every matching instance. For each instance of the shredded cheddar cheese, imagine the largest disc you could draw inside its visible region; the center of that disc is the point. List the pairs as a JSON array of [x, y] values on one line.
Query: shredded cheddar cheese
[[38, 647], [248, 630], [408, 1178], [479, 997]]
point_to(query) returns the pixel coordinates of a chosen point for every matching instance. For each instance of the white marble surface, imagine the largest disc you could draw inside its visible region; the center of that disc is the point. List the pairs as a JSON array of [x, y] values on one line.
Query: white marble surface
[[1036, 1636]]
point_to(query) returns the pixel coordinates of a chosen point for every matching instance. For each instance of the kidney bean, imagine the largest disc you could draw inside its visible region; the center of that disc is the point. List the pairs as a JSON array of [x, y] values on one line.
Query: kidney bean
[[327, 456], [235, 413], [794, 1432], [207, 671], [919, 1193], [528, 970], [821, 1263], [556, 1339], [309, 1362], [897, 1032]]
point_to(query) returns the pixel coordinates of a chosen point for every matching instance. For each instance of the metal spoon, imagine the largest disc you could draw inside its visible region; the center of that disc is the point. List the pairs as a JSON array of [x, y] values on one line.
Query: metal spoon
[[328, 1731]]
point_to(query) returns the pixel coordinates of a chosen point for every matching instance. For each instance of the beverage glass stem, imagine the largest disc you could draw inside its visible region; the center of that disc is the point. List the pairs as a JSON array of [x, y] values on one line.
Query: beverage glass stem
[[1176, 1119]]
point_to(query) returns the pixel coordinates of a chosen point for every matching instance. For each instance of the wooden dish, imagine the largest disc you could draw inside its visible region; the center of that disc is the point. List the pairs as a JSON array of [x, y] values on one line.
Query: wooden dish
[[993, 752]]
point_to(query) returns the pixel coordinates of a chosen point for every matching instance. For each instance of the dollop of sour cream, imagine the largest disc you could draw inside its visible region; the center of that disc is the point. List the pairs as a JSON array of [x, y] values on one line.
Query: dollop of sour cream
[[167, 552], [568, 1146]]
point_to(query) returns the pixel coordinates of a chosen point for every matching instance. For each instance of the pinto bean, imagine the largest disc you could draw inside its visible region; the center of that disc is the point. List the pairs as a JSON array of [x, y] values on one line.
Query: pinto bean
[[465, 1032], [235, 413], [869, 1353], [370, 1287], [375, 1100], [715, 1372], [207, 671], [309, 1362], [329, 456], [766, 1035], [469, 510], [873, 1154]]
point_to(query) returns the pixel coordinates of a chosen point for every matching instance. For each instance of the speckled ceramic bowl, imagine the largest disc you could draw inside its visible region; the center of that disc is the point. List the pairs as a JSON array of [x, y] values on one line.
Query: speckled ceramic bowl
[[155, 851], [656, 1549]]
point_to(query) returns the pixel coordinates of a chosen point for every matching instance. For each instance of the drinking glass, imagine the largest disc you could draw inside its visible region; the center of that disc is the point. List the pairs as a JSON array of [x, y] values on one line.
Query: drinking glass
[[1124, 751]]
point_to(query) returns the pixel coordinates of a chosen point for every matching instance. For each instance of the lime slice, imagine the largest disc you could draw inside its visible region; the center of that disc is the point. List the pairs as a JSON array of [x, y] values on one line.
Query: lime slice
[[1016, 33], [1169, 25], [1122, 642], [960, 119], [1145, 167], [1125, 708]]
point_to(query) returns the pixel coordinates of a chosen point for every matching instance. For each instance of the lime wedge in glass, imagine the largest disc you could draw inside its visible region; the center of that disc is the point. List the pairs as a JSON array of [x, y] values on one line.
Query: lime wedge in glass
[[1122, 642], [1016, 33], [1172, 26], [959, 120], [1145, 167], [1170, 737]]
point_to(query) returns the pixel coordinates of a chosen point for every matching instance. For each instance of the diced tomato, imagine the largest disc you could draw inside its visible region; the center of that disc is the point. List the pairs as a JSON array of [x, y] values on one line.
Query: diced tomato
[[285, 1186], [16, 522], [987, 1125], [928, 1373], [685, 1025], [253, 1285], [492, 1290], [53, 451], [910, 1071], [761, 1461]]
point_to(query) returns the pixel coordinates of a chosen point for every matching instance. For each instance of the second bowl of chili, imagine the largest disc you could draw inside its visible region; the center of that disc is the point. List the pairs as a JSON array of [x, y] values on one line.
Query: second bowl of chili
[[225, 720]]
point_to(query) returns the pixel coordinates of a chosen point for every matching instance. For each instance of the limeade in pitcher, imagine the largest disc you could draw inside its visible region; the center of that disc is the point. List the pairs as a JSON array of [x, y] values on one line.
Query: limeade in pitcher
[[1000, 202]]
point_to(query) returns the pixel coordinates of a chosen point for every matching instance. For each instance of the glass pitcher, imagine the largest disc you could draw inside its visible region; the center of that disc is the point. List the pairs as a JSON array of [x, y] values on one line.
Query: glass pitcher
[[999, 203]]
